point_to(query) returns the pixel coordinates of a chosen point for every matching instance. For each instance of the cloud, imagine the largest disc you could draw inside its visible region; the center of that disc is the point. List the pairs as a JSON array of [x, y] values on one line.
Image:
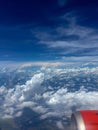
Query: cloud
[[59, 101], [41, 64], [80, 59], [64, 102], [75, 37], [68, 38], [60, 125], [50, 114], [69, 99], [21, 96], [10, 66]]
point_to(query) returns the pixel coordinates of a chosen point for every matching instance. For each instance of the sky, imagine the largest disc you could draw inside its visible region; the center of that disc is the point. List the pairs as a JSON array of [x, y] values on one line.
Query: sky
[[49, 30]]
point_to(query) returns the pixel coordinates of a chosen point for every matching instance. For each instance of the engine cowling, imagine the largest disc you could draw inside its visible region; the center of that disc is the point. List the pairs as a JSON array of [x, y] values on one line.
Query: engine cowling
[[84, 120]]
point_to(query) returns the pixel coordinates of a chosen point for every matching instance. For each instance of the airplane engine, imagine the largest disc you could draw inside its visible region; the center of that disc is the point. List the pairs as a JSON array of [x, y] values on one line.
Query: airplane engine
[[84, 120]]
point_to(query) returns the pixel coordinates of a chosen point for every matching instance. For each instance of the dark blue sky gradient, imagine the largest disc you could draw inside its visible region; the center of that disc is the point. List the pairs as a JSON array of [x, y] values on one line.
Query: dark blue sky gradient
[[48, 30]]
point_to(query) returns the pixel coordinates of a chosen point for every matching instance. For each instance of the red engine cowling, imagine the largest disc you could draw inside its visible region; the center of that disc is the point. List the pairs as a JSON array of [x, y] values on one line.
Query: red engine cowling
[[84, 120]]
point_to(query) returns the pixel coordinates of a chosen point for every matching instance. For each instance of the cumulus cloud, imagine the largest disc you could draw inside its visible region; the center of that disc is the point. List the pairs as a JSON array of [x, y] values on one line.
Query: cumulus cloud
[[59, 101], [60, 125], [80, 99], [21, 96]]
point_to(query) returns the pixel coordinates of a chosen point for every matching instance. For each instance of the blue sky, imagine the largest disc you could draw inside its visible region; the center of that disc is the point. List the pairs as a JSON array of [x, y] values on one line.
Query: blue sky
[[49, 30]]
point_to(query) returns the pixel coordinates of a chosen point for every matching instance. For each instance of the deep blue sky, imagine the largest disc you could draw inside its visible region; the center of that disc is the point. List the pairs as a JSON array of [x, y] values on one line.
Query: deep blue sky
[[48, 30]]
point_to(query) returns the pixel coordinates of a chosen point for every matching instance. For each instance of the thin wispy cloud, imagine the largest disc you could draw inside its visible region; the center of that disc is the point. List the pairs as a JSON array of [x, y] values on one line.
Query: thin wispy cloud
[[70, 39], [41, 30]]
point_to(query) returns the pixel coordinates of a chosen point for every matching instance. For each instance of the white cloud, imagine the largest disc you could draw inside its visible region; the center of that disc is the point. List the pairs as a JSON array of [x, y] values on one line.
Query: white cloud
[[82, 59], [70, 37], [44, 64], [73, 28], [53, 103], [20, 96], [60, 125], [50, 114], [40, 109], [63, 102]]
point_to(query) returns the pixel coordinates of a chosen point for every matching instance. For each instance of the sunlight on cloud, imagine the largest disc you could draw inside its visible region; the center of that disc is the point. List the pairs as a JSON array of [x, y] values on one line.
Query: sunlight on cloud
[[55, 102], [60, 125]]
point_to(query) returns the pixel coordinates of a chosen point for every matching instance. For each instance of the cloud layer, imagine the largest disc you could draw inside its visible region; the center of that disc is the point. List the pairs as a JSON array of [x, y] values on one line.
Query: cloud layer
[[52, 92], [68, 38]]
